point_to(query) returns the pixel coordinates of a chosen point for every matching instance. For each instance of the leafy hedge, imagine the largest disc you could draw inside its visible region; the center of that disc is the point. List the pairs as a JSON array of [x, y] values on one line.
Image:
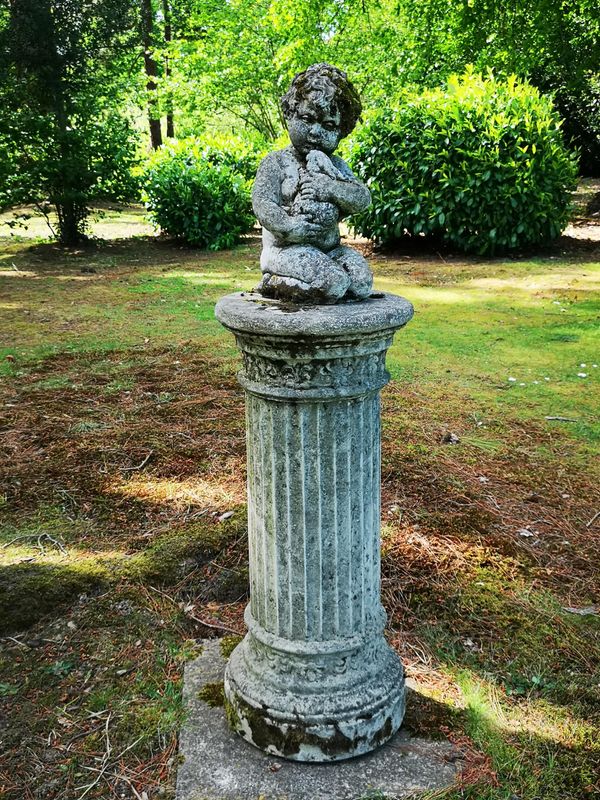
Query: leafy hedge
[[480, 164], [230, 151], [197, 194]]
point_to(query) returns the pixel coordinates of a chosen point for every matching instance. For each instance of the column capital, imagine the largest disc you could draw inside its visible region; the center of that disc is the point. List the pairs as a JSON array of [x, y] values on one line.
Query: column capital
[[313, 353]]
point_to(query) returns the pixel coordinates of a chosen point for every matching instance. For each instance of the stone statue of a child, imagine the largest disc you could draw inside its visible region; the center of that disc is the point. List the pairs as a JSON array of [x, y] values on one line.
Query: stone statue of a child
[[301, 193]]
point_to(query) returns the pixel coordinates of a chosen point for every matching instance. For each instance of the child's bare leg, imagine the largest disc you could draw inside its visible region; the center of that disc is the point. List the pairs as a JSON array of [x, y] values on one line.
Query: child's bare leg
[[303, 274], [357, 268]]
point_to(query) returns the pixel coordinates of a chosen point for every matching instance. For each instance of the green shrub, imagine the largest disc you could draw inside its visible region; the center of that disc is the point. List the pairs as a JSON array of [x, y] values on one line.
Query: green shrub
[[480, 165], [232, 151], [95, 159], [195, 195]]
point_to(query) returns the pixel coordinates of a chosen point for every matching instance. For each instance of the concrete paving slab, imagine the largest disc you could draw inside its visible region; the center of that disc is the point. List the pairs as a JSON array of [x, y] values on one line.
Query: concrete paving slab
[[218, 765]]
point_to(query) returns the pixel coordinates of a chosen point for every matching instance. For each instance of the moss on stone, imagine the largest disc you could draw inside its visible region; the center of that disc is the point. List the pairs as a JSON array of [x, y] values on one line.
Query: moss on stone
[[161, 563], [288, 742], [228, 644], [230, 585], [30, 591], [213, 694], [233, 718]]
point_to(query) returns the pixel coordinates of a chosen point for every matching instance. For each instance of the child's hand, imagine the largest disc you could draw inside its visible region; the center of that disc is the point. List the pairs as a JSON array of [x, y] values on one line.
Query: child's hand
[[319, 162], [303, 229], [317, 187]]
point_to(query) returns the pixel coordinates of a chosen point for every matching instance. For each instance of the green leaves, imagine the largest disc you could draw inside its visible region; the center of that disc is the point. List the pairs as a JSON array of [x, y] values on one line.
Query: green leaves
[[480, 165], [195, 194]]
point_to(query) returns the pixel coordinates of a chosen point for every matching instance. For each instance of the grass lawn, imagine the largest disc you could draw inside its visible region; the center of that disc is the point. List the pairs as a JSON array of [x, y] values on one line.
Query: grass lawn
[[123, 452]]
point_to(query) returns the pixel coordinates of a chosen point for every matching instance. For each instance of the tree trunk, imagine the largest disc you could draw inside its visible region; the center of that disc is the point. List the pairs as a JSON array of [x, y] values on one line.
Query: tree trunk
[[170, 125], [169, 98], [37, 58], [71, 215], [71, 219], [151, 69]]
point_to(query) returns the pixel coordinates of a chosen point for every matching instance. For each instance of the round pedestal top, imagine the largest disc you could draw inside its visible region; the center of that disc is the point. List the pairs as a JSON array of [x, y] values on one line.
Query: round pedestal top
[[251, 313]]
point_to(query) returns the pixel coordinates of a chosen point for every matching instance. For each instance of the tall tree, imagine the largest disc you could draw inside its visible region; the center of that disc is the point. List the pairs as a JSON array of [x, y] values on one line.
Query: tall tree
[[237, 56], [553, 43], [60, 133], [168, 37], [147, 22], [227, 52]]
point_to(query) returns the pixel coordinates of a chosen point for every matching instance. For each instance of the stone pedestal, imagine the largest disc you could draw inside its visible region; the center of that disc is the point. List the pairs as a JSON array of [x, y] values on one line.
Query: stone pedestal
[[314, 679]]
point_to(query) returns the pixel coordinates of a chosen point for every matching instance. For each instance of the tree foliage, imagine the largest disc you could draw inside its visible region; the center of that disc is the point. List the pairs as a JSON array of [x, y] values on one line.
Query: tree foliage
[[236, 57], [74, 72], [553, 43]]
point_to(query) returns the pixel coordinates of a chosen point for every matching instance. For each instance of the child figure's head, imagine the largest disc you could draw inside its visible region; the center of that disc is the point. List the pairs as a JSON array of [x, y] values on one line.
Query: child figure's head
[[320, 108]]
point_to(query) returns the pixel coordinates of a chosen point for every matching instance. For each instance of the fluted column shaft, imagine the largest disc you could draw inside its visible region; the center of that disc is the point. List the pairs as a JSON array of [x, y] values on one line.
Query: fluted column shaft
[[313, 501], [314, 679]]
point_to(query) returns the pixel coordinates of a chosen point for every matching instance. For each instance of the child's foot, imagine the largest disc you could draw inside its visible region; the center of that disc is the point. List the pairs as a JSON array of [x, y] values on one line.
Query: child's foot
[[292, 290]]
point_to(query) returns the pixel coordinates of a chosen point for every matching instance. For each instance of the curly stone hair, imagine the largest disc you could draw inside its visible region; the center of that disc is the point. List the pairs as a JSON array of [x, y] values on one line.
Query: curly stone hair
[[326, 86]]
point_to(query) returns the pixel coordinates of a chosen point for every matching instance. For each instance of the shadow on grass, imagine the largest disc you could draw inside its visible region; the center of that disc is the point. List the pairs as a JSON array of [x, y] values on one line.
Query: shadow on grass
[[517, 763], [144, 251], [31, 591], [430, 247]]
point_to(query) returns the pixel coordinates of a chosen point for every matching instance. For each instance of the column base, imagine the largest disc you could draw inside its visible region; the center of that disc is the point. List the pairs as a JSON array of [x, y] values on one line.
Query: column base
[[314, 701]]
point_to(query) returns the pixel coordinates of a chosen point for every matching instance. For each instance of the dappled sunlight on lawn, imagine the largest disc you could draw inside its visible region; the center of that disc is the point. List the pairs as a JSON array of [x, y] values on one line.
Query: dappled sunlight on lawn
[[214, 492], [200, 277], [107, 220], [524, 290], [546, 281], [79, 278], [17, 273], [543, 718], [587, 232], [531, 715], [414, 293], [10, 306], [47, 555]]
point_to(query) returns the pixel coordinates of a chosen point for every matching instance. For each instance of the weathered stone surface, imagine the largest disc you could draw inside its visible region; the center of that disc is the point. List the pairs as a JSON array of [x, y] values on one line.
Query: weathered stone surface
[[217, 765], [303, 191], [314, 679], [250, 313]]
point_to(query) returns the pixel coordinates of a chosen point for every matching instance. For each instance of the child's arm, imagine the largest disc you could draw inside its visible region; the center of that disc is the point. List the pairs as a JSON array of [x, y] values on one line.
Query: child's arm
[[266, 202]]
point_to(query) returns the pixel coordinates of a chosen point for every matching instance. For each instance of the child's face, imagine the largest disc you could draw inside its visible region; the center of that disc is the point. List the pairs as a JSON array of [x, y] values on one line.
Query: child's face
[[312, 127]]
